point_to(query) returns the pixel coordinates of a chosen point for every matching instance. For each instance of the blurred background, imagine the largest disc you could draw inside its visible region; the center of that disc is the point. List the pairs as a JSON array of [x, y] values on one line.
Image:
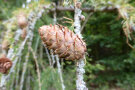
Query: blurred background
[[108, 30]]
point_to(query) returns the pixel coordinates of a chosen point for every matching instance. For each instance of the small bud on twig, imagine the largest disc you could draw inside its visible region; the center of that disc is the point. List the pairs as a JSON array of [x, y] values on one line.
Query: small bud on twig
[[82, 18], [78, 4]]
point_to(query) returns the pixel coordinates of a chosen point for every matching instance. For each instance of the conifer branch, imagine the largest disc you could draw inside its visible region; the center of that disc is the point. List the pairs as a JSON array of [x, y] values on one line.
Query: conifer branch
[[80, 84]]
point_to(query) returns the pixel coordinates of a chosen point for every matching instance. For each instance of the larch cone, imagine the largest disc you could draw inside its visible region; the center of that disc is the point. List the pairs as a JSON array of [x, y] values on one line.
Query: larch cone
[[5, 44], [5, 65], [63, 42], [22, 20]]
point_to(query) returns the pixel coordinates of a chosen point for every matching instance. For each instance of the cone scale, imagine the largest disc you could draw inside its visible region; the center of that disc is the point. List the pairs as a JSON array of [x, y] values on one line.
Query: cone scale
[[63, 41]]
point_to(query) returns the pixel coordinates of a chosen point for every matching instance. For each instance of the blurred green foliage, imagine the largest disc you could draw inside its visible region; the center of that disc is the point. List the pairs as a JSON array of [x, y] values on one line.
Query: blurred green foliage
[[108, 49]]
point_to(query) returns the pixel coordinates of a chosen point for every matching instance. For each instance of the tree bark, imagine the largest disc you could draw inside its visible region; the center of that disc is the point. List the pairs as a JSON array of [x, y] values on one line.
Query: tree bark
[[80, 84]]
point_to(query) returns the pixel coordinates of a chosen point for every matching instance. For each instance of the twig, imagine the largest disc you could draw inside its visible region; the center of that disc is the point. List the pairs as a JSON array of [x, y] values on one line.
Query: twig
[[28, 80], [86, 21], [37, 66], [80, 84], [24, 70], [54, 15], [48, 55], [41, 52], [90, 9], [17, 75], [37, 42], [12, 83], [57, 58], [60, 72], [17, 36], [53, 59]]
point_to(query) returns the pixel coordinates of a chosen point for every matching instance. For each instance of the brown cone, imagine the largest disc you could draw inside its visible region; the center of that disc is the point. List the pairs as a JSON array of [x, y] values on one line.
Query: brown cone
[[5, 44], [63, 42], [22, 20], [5, 65]]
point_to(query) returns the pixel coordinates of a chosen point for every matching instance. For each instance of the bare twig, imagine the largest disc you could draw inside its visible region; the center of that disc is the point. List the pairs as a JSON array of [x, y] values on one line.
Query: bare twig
[[17, 73], [48, 55], [86, 21], [57, 58], [54, 15], [24, 70], [41, 52], [37, 66], [60, 72], [52, 56], [80, 84], [12, 83], [90, 9], [28, 80]]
